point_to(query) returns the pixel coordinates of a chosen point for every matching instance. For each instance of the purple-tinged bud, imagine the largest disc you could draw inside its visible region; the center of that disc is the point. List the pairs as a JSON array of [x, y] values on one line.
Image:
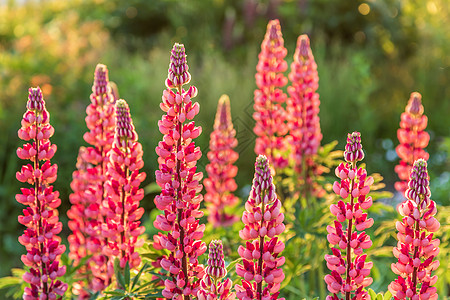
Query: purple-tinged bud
[[414, 105], [353, 149], [124, 125], [216, 263], [35, 100], [178, 67], [101, 80]]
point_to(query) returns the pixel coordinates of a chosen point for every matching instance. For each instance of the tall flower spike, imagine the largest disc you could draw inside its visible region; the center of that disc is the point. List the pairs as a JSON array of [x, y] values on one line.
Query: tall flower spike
[[212, 288], [88, 214], [220, 183], [122, 226], [41, 215], [303, 112], [263, 222], [416, 250], [349, 267], [180, 197], [269, 114], [413, 140]]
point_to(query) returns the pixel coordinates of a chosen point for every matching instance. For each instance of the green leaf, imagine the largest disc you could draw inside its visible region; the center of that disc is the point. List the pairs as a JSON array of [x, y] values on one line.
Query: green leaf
[[9, 281], [233, 263], [127, 276], [372, 294], [387, 296], [136, 278]]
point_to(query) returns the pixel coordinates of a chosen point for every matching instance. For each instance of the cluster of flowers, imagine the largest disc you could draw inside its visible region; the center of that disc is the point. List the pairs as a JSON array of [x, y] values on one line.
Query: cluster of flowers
[[105, 213], [41, 215], [413, 139], [349, 268], [220, 183], [180, 197]]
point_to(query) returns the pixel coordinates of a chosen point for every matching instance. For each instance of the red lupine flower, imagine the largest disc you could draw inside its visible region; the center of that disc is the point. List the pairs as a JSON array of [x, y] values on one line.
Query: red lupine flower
[[416, 250], [349, 269], [413, 140], [269, 115], [87, 213], [122, 227], [180, 197], [41, 214], [220, 183], [212, 288], [261, 270]]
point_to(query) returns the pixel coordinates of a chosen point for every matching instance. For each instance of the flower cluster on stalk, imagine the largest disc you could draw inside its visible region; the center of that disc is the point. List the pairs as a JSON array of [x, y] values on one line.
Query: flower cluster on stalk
[[179, 180], [416, 250], [87, 213], [220, 183], [122, 226], [303, 113], [212, 288], [348, 264], [40, 239], [413, 140], [263, 223], [270, 116]]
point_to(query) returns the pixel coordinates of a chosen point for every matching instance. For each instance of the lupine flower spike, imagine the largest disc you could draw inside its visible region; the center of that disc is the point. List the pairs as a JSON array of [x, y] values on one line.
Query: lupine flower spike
[[122, 226], [40, 239], [269, 115], [263, 223], [212, 288], [87, 213], [349, 267], [220, 183], [180, 197], [413, 140], [416, 250], [303, 111]]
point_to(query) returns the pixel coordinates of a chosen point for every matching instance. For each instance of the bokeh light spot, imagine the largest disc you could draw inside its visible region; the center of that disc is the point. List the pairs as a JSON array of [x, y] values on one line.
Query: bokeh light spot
[[364, 9], [131, 12]]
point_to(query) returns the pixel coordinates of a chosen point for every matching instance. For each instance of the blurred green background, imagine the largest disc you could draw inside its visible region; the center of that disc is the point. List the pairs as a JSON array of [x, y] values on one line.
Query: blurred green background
[[371, 55]]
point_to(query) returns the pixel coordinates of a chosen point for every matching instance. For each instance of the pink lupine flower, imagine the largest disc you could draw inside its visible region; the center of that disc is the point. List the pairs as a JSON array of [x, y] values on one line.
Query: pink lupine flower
[[261, 269], [212, 288], [303, 111], [88, 213], [269, 115], [122, 227], [413, 140], [41, 215], [349, 267], [416, 250], [220, 183], [180, 197]]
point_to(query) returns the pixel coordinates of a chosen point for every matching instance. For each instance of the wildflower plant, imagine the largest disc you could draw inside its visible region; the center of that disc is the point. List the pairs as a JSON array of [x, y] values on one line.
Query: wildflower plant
[[416, 250], [220, 183], [179, 180], [261, 271], [123, 213], [270, 116], [413, 140], [40, 239], [348, 264], [87, 214]]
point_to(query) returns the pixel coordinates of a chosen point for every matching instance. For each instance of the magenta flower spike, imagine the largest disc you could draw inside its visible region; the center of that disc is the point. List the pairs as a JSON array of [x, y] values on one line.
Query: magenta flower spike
[[40, 239], [413, 140], [269, 115], [87, 213], [416, 250], [263, 223], [212, 288], [349, 267], [122, 227], [303, 106], [220, 183], [179, 180]]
